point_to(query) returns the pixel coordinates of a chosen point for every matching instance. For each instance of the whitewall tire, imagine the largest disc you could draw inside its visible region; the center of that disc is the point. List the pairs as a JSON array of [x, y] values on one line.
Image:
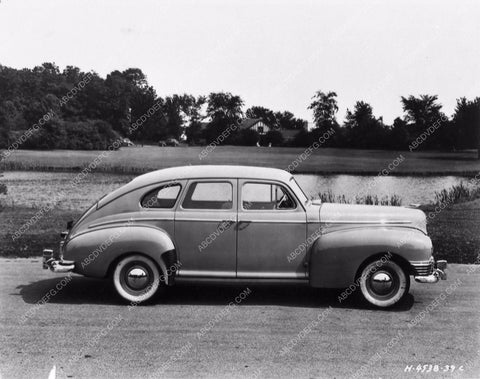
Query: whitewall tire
[[384, 284], [136, 278]]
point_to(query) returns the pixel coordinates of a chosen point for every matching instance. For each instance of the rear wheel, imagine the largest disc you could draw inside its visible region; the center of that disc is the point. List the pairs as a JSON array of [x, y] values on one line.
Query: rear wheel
[[136, 278], [384, 284]]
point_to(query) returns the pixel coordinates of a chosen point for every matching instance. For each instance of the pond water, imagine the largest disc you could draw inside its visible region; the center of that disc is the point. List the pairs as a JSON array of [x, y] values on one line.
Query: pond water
[[35, 189], [411, 189]]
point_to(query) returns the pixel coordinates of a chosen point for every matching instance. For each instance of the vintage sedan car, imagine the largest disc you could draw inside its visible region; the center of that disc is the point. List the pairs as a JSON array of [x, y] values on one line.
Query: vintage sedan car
[[234, 224]]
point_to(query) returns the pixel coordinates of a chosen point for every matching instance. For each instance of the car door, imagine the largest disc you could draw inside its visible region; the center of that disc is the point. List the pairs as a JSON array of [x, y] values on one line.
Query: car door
[[271, 225], [205, 234]]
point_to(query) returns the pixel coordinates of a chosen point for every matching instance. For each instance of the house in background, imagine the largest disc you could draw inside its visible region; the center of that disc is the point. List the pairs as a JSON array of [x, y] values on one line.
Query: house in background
[[258, 126], [255, 124]]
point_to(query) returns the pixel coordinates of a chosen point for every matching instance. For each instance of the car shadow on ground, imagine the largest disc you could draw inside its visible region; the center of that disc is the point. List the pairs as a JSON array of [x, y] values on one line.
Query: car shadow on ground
[[81, 290]]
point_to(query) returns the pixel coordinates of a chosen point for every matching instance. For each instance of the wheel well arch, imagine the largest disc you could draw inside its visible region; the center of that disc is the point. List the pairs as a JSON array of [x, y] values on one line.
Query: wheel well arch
[[402, 262]]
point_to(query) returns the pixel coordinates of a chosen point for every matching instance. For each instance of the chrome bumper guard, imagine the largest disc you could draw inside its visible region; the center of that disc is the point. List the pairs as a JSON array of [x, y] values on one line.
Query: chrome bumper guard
[[437, 274], [56, 265]]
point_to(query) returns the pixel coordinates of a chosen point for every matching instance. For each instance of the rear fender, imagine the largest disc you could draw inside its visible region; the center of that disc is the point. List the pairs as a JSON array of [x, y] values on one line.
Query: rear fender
[[94, 251], [336, 257]]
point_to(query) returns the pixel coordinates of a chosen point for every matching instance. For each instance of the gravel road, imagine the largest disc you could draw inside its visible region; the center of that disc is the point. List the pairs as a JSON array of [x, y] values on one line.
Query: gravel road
[[84, 331]]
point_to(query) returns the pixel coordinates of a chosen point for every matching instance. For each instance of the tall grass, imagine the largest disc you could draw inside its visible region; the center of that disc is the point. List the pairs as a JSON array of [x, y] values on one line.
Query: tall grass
[[330, 197], [459, 193]]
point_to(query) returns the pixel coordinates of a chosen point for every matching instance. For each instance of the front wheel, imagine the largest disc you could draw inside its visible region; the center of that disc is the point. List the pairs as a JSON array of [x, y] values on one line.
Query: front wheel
[[384, 284], [136, 278]]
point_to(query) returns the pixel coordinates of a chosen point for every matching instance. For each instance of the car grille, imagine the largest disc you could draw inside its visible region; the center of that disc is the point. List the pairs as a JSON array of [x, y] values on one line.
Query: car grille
[[423, 268]]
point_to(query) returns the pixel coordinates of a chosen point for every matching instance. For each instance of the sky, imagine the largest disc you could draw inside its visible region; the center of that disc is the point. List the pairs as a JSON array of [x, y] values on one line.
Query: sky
[[272, 53]]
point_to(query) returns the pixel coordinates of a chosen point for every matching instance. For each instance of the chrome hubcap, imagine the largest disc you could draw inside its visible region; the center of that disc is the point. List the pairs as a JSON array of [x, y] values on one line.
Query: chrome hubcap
[[137, 278], [381, 283]]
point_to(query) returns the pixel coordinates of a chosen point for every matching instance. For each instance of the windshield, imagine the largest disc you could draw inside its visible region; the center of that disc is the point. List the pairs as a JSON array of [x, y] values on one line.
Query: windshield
[[298, 190]]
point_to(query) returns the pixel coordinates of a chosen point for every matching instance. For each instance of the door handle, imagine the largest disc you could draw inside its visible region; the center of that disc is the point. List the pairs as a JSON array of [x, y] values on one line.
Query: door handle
[[226, 224], [243, 224]]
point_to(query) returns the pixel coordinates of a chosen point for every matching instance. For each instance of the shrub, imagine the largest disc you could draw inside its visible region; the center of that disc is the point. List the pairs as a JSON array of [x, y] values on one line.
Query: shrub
[[459, 193], [274, 137], [330, 197], [248, 137]]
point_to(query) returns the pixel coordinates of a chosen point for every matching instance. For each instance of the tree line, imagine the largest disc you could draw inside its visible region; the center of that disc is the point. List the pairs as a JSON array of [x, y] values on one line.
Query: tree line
[[87, 111]]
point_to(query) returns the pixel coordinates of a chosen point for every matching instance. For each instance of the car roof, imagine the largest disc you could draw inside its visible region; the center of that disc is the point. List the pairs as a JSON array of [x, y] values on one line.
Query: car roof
[[198, 172]]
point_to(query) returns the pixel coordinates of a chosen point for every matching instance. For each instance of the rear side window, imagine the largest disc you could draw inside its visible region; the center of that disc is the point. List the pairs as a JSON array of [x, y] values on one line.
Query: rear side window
[[163, 197], [209, 195]]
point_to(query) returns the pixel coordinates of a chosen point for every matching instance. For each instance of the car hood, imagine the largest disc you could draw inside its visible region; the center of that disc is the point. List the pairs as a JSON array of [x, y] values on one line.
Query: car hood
[[356, 215]]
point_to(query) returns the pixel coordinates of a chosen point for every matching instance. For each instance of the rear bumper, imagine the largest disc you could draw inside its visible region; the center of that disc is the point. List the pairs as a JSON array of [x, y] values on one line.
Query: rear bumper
[[56, 265], [429, 272]]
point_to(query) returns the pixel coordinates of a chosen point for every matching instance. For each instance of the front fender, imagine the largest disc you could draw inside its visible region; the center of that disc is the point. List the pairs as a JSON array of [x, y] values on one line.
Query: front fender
[[94, 251], [336, 257]]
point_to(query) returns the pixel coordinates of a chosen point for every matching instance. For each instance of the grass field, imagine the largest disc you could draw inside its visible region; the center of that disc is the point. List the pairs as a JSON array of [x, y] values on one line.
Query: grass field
[[134, 160]]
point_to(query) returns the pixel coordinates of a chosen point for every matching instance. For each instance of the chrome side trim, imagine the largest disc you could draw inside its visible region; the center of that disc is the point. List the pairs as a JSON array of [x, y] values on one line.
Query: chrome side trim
[[206, 274], [128, 220], [240, 275], [253, 221], [275, 221], [219, 218], [271, 275], [366, 222]]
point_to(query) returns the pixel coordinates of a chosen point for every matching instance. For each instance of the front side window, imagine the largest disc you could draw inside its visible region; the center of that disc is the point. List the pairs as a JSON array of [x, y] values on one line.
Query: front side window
[[209, 195], [266, 196], [164, 197]]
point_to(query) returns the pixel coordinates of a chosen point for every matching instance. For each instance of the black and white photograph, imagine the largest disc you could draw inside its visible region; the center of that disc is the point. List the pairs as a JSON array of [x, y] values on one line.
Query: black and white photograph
[[239, 189]]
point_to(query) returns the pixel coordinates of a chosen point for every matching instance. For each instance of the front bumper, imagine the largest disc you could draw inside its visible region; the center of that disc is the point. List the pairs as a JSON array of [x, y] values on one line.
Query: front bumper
[[430, 272], [56, 265]]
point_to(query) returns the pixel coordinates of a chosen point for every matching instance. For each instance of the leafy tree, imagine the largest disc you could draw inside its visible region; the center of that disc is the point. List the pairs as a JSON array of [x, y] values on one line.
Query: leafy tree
[[192, 115], [324, 106], [224, 110], [191, 108], [466, 123], [364, 130], [268, 116], [225, 106], [172, 111], [421, 113], [107, 107], [11, 118], [286, 120], [398, 136]]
